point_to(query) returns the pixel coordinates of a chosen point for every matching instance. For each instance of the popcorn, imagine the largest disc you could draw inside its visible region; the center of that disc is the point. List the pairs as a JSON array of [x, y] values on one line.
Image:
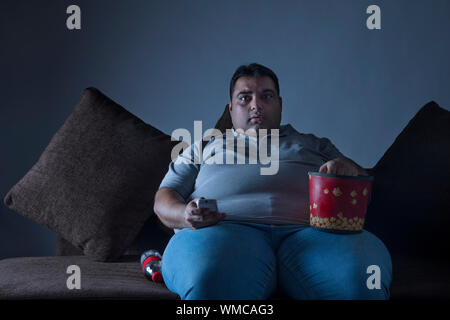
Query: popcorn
[[339, 223], [337, 192]]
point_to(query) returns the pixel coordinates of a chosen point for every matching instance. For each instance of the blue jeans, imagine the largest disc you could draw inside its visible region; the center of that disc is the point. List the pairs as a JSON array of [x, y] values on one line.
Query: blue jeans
[[241, 260]]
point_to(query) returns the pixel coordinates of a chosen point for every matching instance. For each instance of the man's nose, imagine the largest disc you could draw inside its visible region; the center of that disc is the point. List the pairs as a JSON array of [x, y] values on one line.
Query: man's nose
[[255, 104]]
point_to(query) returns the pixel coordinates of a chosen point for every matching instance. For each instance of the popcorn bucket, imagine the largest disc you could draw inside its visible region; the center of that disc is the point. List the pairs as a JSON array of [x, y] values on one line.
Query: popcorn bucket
[[338, 203]]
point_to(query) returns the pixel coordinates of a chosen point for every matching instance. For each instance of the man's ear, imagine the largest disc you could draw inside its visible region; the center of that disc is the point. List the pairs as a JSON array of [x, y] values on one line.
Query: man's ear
[[229, 106], [281, 104]]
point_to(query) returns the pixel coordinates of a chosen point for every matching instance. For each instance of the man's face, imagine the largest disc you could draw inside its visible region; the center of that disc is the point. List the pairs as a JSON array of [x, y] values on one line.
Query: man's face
[[255, 104]]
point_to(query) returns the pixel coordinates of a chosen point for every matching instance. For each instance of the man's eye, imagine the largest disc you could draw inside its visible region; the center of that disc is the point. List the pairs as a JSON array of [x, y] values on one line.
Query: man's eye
[[244, 98], [268, 96]]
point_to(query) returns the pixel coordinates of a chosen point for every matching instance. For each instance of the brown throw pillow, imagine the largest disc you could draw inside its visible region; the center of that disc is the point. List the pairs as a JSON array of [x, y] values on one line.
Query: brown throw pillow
[[224, 121], [410, 208], [95, 182]]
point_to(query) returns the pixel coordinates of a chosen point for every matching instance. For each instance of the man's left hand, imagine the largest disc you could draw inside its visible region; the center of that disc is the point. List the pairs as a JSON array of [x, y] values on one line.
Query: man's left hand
[[342, 166]]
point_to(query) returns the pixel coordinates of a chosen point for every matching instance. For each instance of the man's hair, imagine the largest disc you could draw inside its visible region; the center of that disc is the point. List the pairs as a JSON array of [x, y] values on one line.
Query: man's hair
[[253, 70]]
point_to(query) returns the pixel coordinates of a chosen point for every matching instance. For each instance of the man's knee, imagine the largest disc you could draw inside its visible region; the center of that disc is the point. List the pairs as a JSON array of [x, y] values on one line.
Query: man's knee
[[234, 262], [365, 274], [366, 284], [355, 290], [227, 285], [335, 284], [361, 277], [329, 266]]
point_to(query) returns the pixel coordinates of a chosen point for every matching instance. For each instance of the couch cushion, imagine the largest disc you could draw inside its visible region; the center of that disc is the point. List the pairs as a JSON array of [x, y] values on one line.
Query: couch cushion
[[95, 182], [224, 121], [46, 278], [153, 235], [410, 203]]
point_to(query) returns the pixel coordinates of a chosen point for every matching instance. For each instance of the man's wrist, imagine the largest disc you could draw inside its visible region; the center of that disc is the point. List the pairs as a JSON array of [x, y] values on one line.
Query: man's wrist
[[361, 170]]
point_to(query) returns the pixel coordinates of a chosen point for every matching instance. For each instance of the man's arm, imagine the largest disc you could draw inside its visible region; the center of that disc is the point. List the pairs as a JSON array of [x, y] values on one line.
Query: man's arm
[[173, 212], [169, 206]]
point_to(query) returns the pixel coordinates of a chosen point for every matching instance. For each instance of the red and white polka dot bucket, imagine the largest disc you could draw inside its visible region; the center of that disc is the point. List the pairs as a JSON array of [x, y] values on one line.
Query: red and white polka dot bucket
[[338, 203]]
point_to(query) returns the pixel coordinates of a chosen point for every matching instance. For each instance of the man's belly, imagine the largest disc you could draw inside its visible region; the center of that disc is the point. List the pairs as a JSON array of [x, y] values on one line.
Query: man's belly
[[244, 194]]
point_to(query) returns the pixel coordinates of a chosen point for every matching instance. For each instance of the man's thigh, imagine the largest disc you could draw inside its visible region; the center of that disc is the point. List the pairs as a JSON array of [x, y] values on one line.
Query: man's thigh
[[321, 265], [224, 261]]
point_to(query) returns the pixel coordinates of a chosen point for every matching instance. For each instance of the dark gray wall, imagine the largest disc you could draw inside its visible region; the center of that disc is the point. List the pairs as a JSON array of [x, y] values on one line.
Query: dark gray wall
[[169, 62]]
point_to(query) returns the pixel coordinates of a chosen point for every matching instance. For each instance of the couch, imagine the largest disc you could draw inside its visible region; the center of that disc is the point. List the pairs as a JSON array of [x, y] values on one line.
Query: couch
[[94, 186]]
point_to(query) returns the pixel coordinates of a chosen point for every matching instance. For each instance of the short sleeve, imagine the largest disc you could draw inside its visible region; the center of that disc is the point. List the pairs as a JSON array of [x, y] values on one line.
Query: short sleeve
[[183, 172], [328, 149]]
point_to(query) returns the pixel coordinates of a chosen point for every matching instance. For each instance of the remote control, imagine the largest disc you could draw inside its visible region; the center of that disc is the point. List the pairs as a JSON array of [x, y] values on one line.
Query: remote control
[[210, 204]]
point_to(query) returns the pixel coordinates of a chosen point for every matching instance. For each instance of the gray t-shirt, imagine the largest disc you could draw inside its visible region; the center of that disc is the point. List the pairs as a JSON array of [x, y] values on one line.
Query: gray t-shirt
[[241, 191]]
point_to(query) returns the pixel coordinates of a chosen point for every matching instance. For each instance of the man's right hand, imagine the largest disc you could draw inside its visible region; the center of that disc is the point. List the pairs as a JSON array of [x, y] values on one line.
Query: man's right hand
[[197, 218]]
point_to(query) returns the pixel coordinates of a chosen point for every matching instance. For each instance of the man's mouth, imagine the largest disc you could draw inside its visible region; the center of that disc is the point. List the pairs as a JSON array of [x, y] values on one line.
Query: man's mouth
[[256, 117]]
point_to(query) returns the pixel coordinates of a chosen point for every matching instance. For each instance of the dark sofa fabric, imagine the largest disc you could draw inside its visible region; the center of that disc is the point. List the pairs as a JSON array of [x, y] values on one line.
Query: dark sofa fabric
[[410, 207], [419, 278], [46, 277], [95, 182]]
